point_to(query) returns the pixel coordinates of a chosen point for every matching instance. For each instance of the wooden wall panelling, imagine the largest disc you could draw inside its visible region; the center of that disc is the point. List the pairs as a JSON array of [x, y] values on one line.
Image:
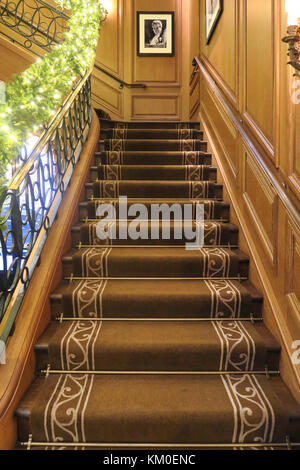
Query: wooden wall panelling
[[156, 107], [293, 270], [265, 84], [293, 151], [278, 9], [223, 128], [221, 56], [286, 79], [129, 54], [194, 51], [14, 59], [277, 317], [106, 95], [290, 117], [185, 64], [292, 275], [272, 120], [167, 78], [110, 54], [194, 28], [158, 71], [261, 202], [261, 25]]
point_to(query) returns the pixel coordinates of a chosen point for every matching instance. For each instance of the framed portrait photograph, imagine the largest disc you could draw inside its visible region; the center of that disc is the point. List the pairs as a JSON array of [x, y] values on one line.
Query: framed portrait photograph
[[155, 33], [213, 11]]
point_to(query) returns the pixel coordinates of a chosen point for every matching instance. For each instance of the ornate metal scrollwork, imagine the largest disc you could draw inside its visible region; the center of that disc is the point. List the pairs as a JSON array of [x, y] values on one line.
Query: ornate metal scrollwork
[[35, 21]]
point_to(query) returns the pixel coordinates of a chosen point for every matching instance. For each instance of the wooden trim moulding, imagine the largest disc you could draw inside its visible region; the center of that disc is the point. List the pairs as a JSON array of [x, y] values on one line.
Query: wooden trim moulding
[[35, 311]]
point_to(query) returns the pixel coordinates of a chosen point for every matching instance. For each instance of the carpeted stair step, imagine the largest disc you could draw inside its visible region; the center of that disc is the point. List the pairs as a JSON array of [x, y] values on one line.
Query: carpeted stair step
[[153, 158], [156, 298], [155, 262], [123, 232], [157, 343], [161, 125], [157, 346], [153, 172], [123, 145], [213, 210], [158, 409], [149, 134], [154, 189]]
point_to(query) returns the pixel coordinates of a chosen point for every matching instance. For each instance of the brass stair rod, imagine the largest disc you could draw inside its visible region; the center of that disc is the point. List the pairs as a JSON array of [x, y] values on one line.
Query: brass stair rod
[[266, 372], [74, 278], [97, 220], [148, 199], [251, 319], [80, 245], [279, 445]]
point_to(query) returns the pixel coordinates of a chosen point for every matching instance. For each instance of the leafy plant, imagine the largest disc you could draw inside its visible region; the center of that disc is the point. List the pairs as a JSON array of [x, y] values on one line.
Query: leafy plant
[[33, 96]]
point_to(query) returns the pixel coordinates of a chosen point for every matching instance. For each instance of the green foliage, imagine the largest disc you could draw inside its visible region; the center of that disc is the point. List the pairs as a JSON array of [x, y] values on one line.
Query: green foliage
[[34, 95], [3, 227]]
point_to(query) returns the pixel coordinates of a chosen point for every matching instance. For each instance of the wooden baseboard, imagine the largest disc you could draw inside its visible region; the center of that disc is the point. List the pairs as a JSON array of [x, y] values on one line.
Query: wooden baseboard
[[34, 314]]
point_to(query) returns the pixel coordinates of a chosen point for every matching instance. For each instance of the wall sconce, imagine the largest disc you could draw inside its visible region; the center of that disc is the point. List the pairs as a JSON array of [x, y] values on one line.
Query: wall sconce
[[107, 6], [293, 39]]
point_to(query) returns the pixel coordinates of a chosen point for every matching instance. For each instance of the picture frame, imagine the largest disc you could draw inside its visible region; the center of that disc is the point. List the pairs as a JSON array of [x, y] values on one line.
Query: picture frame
[[213, 12], [155, 34]]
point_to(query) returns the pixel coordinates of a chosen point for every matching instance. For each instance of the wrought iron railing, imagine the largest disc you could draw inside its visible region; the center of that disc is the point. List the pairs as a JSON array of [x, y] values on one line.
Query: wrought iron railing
[[29, 205], [36, 23]]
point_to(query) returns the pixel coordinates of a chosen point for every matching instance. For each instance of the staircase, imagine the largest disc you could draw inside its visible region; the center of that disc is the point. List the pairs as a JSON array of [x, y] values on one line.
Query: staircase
[[153, 345]]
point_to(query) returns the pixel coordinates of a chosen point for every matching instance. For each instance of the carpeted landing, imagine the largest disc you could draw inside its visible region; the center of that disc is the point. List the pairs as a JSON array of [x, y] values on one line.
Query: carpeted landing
[[151, 343]]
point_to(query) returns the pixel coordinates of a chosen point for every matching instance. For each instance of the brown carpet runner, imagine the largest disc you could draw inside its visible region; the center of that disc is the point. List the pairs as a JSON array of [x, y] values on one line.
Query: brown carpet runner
[[147, 172], [151, 343], [157, 158]]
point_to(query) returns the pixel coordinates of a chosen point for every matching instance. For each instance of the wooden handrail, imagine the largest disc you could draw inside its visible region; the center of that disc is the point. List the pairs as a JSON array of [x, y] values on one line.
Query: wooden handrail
[[122, 83], [238, 123]]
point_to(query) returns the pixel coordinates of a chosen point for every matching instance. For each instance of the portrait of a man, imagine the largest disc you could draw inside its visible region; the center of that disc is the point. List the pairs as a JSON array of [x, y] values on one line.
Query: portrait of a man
[[155, 33]]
